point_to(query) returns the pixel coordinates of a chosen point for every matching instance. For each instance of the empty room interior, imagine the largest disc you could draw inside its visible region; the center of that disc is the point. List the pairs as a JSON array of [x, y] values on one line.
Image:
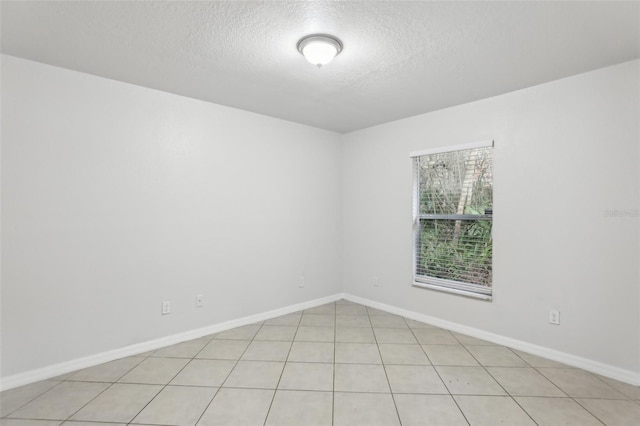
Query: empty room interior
[[282, 213]]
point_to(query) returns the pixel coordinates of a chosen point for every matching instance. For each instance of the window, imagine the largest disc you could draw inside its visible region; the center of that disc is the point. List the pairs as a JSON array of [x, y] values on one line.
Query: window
[[453, 217]]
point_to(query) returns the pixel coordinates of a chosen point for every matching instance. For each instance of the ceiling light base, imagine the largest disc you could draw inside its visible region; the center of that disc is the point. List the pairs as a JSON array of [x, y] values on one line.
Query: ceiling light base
[[319, 49]]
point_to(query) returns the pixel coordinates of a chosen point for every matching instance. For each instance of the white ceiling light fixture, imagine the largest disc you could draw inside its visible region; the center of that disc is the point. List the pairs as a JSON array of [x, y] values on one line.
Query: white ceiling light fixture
[[319, 49]]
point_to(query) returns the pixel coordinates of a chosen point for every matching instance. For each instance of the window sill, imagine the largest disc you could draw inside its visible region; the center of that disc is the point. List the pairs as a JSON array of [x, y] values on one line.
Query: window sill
[[471, 294]]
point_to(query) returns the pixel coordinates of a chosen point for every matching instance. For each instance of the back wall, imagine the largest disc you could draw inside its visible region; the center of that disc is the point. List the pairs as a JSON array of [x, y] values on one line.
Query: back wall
[[566, 185]]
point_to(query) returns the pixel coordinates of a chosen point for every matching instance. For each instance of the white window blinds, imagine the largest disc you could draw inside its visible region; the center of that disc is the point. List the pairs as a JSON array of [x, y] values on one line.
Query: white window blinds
[[453, 218]]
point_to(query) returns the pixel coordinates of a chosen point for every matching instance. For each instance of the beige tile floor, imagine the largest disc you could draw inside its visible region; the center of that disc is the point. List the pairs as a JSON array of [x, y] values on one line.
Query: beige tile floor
[[337, 364]]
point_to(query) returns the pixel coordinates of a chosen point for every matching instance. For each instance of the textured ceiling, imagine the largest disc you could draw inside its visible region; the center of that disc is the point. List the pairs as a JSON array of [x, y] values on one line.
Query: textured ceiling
[[399, 59]]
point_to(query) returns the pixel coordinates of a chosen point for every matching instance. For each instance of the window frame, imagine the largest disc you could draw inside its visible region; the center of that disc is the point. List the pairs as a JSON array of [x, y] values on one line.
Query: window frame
[[441, 284]]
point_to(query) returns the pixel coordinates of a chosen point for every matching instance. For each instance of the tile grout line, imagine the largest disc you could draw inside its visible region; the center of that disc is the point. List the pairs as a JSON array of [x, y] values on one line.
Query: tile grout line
[[176, 375], [568, 396], [438, 373], [588, 411], [333, 386], [496, 380], [476, 360], [536, 370], [611, 386], [165, 385], [100, 393], [266, 417], [395, 405], [508, 394], [88, 402], [32, 399], [230, 371]]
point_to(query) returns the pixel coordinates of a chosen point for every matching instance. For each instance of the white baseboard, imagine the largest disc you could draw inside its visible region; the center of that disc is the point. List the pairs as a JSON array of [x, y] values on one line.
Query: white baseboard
[[55, 370], [627, 376]]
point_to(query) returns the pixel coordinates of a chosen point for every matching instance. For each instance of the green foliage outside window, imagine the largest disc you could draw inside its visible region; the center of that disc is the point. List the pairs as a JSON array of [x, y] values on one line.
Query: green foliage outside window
[[455, 213]]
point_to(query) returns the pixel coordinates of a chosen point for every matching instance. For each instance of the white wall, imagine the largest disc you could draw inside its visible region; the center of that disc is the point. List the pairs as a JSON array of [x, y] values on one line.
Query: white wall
[[116, 197], [564, 153]]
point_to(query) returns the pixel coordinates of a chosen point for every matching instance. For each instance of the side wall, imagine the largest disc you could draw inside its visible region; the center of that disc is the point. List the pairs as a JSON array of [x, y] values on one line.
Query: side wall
[[565, 214], [117, 197]]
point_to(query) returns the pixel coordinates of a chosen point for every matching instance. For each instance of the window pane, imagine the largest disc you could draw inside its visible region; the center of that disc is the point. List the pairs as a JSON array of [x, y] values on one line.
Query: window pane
[[457, 250], [457, 182], [453, 212]]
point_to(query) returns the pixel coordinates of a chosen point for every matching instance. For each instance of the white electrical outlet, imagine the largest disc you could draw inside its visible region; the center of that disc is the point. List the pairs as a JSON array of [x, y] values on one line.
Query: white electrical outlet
[[166, 307], [301, 281], [554, 317], [199, 301], [376, 281]]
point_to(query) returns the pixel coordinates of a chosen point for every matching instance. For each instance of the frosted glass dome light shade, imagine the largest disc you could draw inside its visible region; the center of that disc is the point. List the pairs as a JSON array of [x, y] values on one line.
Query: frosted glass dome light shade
[[319, 49]]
